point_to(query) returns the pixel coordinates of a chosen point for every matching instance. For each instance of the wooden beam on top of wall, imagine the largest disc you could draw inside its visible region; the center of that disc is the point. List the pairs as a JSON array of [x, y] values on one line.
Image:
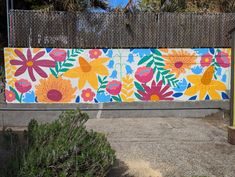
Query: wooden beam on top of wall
[[231, 128]]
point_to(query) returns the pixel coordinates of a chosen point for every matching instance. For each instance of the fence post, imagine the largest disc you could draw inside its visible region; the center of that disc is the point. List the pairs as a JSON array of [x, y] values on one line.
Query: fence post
[[231, 128]]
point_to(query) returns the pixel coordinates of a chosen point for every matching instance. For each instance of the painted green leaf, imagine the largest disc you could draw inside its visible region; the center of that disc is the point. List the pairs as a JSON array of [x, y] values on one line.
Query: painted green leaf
[[138, 96], [165, 72], [158, 76], [160, 59], [138, 86], [99, 79], [169, 76], [150, 63], [15, 92], [116, 99], [71, 59], [144, 59], [159, 64], [64, 70], [57, 67], [53, 72], [156, 51], [68, 64]]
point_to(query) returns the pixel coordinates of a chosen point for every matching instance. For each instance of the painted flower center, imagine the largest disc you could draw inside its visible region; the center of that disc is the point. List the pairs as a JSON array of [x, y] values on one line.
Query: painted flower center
[[85, 66], [178, 64], [154, 97], [206, 60], [54, 95], [10, 95], [207, 76], [29, 63], [87, 94], [95, 53]]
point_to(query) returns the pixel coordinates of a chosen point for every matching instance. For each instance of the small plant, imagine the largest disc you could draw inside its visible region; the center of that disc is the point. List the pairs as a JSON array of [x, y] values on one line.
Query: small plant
[[65, 148]]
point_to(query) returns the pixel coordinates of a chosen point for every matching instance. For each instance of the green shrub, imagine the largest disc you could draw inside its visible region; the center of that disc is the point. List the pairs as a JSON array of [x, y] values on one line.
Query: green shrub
[[65, 148]]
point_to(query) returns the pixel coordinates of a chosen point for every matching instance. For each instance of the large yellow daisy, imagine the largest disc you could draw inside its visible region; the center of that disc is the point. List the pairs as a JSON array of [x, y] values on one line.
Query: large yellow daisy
[[52, 90], [87, 72], [178, 61], [205, 84]]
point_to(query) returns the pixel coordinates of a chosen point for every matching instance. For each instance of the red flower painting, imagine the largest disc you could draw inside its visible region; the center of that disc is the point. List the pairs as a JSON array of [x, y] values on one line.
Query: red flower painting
[[156, 92], [31, 63]]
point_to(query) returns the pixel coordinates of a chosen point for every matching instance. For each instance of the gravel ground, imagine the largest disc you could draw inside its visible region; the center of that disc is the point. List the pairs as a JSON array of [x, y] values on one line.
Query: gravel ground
[[169, 147]]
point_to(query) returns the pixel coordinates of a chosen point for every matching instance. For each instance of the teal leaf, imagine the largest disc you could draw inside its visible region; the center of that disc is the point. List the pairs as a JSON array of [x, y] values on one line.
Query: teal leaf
[[138, 96], [159, 64], [138, 86], [144, 59], [15, 92], [53, 72], [156, 51], [68, 64], [158, 76], [100, 80], [64, 70], [150, 63], [116, 99]]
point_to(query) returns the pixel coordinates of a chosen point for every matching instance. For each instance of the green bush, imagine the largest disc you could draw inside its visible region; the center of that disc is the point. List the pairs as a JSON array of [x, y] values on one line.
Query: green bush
[[65, 148]]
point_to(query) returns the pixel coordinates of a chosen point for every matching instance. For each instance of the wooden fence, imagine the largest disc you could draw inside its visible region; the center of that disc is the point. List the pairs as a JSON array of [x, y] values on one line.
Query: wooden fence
[[119, 30]]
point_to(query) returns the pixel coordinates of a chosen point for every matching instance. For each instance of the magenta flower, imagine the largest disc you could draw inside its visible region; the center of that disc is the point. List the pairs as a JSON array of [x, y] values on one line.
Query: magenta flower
[[88, 95], [23, 85], [58, 55], [144, 74], [31, 63], [206, 59], [114, 87], [223, 59], [95, 53], [10, 95], [156, 92]]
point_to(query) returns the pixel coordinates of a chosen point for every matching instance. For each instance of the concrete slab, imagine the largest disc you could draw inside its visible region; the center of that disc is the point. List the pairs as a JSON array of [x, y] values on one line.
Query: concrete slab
[[169, 147]]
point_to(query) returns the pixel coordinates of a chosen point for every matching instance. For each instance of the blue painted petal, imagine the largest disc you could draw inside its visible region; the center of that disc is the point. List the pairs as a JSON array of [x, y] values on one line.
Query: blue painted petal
[[48, 49], [110, 64], [193, 98], [218, 72], [197, 70], [212, 51], [224, 78], [110, 53], [131, 49], [207, 97], [128, 69], [224, 96], [29, 97], [77, 99], [201, 51], [130, 58], [182, 85], [105, 50], [103, 97], [114, 74], [177, 95]]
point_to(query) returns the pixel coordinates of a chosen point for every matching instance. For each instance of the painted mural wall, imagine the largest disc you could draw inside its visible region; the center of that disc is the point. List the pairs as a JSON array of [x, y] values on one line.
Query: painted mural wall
[[51, 75]]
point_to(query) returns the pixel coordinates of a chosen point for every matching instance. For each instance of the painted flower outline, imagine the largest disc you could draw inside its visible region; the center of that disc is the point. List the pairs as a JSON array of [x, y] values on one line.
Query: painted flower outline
[[31, 63]]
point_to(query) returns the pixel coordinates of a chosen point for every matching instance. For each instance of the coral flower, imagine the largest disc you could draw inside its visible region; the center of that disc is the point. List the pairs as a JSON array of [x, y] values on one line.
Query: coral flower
[[31, 63], [58, 55], [10, 96], [156, 92], [223, 59], [54, 90], [144, 74], [88, 95], [114, 87], [206, 60], [23, 85], [205, 84], [95, 53], [87, 72], [178, 61]]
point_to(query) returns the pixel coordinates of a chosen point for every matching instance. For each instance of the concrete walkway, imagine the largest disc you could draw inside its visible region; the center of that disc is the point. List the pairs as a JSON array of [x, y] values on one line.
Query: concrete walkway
[[168, 147]]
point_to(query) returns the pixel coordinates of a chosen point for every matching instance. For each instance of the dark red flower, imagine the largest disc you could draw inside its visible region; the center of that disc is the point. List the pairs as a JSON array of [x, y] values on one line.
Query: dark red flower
[[31, 63], [156, 92]]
